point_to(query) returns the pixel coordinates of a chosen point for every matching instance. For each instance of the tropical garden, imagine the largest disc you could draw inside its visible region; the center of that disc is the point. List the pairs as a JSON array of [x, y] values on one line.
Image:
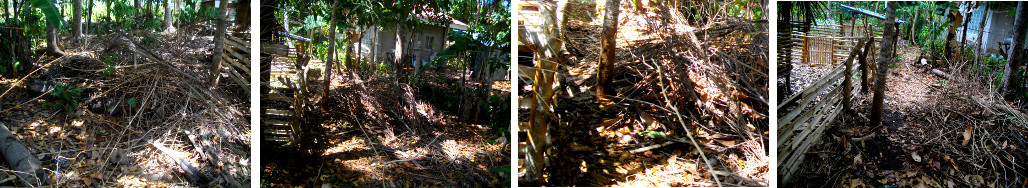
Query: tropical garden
[[361, 93], [124, 93], [932, 94]]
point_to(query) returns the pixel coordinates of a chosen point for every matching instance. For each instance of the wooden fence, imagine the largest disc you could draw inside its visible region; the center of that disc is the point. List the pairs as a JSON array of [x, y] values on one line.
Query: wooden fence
[[816, 107], [827, 44], [236, 61]]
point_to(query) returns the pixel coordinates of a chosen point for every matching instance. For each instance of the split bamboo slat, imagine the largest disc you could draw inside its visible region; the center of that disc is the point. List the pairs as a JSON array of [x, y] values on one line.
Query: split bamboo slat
[[818, 105], [236, 50]]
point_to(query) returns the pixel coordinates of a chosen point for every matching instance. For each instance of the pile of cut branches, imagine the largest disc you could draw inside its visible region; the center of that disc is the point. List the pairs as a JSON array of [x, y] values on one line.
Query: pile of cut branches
[[144, 119], [691, 96]]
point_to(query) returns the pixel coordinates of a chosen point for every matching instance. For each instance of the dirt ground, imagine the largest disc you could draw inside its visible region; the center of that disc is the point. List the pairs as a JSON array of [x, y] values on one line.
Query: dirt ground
[[936, 132]]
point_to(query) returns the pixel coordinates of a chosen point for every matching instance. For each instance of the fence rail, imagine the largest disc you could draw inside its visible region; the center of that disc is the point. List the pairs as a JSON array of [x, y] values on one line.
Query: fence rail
[[816, 107]]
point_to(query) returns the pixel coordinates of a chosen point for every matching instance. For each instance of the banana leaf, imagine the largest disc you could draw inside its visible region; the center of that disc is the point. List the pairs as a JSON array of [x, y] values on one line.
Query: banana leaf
[[49, 9]]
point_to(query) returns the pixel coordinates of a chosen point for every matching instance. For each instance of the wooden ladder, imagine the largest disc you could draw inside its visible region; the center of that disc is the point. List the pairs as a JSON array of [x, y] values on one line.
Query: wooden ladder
[[282, 126]]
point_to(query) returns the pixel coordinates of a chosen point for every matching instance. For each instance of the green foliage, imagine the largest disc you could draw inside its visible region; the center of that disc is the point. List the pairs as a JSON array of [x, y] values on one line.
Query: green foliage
[[49, 9], [498, 114], [132, 103], [502, 170], [191, 12], [311, 22], [654, 134], [108, 64], [65, 97], [14, 67], [384, 70]]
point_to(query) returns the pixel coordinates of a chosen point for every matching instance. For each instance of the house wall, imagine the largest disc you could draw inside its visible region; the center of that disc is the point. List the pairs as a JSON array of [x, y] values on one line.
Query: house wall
[[998, 26], [421, 45], [1001, 26]]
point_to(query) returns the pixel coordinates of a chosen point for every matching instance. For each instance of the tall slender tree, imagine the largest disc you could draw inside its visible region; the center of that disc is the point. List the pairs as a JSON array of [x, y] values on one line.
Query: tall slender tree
[[76, 27], [1009, 83], [219, 42], [331, 55], [608, 45], [168, 21], [967, 19], [981, 28], [886, 57]]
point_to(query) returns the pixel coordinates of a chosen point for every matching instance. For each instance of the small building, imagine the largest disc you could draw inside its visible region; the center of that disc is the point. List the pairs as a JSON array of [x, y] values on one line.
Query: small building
[[414, 47], [999, 25]]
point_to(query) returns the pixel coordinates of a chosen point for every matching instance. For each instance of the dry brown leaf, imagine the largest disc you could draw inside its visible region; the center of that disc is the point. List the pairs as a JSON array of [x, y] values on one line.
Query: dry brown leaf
[[967, 135]]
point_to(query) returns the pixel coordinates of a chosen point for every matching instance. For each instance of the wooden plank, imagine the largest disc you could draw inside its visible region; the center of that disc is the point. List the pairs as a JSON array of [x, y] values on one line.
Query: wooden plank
[[238, 55], [526, 71], [276, 122], [239, 79], [276, 138], [277, 112], [786, 127], [275, 132], [279, 97], [275, 49], [234, 63]]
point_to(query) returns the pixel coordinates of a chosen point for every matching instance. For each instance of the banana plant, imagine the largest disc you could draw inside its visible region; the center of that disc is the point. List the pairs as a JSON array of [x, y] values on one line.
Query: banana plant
[[49, 9]]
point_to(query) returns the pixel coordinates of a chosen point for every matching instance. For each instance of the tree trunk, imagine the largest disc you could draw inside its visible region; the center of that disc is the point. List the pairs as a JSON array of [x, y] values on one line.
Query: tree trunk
[[886, 57], [76, 26], [967, 19], [1010, 84], [219, 42], [28, 168], [351, 38], [951, 33], [981, 30], [546, 46], [913, 25], [168, 20], [52, 41], [242, 16], [327, 81], [608, 46], [89, 17], [785, 27], [136, 4]]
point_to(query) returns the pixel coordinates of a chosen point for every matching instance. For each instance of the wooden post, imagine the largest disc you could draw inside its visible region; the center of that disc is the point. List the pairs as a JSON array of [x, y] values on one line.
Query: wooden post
[[847, 82], [863, 64], [806, 48], [831, 52]]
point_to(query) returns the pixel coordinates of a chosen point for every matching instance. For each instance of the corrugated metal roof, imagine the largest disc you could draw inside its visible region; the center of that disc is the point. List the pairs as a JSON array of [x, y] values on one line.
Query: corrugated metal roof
[[869, 13]]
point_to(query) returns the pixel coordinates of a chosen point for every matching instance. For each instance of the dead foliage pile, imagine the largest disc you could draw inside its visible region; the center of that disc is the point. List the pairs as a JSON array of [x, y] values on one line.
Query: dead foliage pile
[[130, 105], [691, 104], [377, 132]]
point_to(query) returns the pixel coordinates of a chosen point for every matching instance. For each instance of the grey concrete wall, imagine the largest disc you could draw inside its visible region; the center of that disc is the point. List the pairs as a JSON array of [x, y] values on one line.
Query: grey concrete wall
[[383, 43]]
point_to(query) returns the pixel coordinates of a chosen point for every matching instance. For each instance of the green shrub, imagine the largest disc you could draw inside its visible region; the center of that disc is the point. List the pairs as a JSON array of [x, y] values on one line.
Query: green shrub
[[65, 97]]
